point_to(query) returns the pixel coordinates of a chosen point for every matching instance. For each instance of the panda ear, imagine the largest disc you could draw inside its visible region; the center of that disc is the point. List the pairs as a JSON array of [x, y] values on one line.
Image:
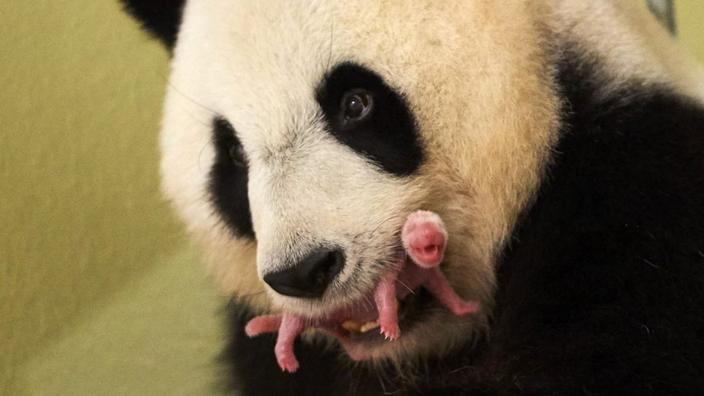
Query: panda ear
[[160, 17]]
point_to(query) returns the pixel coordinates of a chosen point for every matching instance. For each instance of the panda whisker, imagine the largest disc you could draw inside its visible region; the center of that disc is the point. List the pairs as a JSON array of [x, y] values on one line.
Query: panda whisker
[[207, 124], [190, 99], [370, 234], [367, 301], [209, 143], [406, 286], [332, 37], [253, 294], [188, 112], [381, 382]]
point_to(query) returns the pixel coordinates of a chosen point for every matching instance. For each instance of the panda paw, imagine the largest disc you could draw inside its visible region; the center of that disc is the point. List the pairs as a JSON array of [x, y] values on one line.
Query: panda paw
[[288, 364], [390, 331]]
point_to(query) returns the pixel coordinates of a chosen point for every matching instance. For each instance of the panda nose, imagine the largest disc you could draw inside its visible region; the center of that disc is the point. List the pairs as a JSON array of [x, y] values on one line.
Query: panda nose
[[309, 277]]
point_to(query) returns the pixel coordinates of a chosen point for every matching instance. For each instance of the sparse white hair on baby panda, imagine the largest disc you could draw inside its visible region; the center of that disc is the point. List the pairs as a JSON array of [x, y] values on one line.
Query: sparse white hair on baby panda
[[298, 136]]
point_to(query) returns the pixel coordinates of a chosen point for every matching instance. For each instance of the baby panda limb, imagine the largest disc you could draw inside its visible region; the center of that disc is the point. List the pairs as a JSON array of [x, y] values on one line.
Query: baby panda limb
[[289, 327], [387, 305], [263, 324], [424, 239]]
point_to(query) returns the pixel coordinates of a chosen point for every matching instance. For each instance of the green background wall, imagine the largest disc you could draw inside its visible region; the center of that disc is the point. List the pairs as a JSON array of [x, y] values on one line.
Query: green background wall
[[81, 218], [690, 25], [87, 247]]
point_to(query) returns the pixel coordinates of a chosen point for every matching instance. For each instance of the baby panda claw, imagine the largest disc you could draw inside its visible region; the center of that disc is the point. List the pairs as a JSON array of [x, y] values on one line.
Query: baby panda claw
[[390, 331], [287, 361]]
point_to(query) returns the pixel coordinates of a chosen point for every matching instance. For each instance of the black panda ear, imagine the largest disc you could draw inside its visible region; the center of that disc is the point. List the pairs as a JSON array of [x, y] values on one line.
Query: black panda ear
[[160, 17]]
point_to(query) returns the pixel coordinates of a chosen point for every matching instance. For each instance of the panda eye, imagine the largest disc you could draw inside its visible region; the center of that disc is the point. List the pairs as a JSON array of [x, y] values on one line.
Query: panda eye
[[229, 175], [229, 148], [356, 105], [236, 155], [364, 113]]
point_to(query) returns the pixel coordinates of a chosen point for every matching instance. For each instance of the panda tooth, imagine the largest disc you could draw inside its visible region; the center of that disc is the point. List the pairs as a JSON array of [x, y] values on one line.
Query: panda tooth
[[369, 326], [351, 325]]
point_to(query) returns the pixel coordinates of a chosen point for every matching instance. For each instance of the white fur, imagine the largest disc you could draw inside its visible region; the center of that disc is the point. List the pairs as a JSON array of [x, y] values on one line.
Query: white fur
[[478, 76]]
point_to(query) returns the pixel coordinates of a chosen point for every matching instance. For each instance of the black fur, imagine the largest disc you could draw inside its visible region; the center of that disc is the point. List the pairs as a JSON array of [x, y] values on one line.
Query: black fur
[[602, 287], [389, 137], [160, 17], [601, 292], [228, 180]]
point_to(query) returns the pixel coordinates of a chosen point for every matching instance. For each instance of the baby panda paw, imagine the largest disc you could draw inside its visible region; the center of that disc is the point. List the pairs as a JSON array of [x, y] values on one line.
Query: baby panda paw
[[390, 331], [287, 362]]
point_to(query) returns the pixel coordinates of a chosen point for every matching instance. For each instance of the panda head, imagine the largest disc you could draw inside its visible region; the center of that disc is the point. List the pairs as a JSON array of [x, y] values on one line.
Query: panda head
[[298, 136]]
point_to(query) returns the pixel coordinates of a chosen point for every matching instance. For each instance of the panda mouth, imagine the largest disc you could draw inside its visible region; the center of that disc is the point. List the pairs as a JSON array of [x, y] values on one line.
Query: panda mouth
[[395, 305], [409, 313], [357, 327]]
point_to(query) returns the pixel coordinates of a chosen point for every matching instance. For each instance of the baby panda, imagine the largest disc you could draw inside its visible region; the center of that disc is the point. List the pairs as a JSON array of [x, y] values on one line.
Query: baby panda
[[424, 240], [561, 142]]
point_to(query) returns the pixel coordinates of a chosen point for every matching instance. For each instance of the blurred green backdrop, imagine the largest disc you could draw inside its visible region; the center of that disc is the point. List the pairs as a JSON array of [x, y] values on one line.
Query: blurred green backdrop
[[690, 25], [83, 226], [92, 265]]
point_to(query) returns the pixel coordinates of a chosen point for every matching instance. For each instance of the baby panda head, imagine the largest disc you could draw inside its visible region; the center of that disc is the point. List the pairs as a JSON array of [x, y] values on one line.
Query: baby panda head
[[298, 136]]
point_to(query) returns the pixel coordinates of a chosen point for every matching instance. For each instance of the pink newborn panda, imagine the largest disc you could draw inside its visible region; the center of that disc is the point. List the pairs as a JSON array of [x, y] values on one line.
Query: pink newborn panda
[[424, 240]]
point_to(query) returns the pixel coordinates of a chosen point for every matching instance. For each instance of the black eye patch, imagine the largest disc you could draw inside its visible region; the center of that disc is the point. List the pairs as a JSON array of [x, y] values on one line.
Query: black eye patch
[[386, 133], [228, 180]]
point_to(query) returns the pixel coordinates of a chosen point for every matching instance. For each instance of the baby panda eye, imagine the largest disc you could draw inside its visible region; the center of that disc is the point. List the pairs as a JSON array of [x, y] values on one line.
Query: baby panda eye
[[356, 105]]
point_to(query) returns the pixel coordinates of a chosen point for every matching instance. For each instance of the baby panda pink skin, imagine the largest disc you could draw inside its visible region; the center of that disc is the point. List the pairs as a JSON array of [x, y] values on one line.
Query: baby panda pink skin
[[289, 327], [424, 240]]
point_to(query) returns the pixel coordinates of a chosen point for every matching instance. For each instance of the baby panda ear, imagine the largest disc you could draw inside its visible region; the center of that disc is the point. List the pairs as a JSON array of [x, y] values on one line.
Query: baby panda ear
[[161, 18]]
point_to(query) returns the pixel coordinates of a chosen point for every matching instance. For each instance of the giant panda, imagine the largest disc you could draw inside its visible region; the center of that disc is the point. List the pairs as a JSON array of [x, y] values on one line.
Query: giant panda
[[561, 141]]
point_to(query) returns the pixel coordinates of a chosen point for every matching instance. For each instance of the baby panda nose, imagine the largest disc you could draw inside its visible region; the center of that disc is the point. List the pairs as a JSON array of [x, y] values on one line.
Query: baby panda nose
[[309, 277]]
